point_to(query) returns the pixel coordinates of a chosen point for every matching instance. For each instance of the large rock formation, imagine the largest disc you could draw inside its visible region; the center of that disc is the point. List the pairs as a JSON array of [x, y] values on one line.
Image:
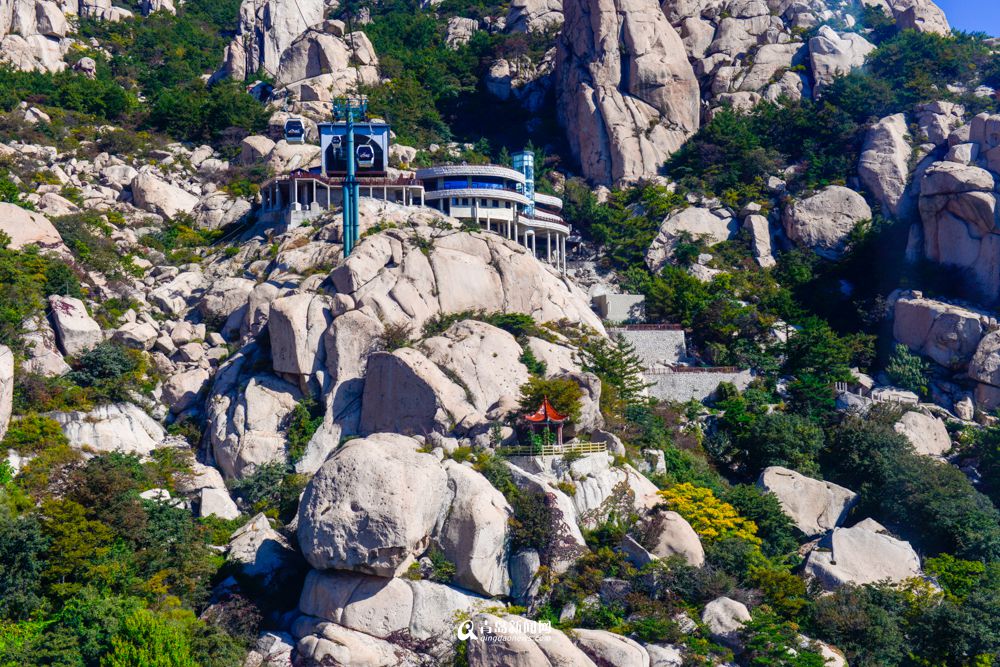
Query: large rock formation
[[928, 435], [666, 534], [863, 554], [833, 54], [323, 63], [958, 207], [626, 93], [6, 387], [502, 641], [378, 503], [33, 35], [985, 369], [824, 220], [155, 195], [117, 427], [744, 52], [919, 15], [946, 333], [724, 618], [695, 222], [267, 28], [884, 167], [28, 228], [76, 330], [534, 15], [389, 277], [323, 346], [814, 506], [246, 415], [381, 608], [446, 383]]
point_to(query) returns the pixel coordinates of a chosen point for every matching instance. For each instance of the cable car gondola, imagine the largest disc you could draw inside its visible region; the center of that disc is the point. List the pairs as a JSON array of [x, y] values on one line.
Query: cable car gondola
[[366, 156], [295, 130]]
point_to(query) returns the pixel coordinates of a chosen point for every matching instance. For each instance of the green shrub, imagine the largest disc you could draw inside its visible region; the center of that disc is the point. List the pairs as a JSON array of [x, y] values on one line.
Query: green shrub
[[87, 235], [782, 439], [908, 371], [531, 526], [110, 372], [272, 488], [769, 642], [305, 419], [534, 366], [443, 569], [27, 277]]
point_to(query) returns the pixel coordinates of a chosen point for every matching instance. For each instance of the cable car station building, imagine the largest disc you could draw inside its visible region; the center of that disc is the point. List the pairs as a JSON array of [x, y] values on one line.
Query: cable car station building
[[499, 199]]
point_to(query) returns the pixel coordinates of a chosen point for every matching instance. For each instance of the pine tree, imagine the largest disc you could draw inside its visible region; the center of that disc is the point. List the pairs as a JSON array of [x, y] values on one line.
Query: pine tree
[[618, 365]]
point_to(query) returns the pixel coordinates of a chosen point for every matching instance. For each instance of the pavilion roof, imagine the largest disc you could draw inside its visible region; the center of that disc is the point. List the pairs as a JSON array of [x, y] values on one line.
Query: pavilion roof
[[545, 413]]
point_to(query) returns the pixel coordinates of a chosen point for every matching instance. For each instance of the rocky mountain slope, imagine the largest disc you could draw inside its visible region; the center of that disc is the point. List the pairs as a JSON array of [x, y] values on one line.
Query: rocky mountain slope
[[227, 444]]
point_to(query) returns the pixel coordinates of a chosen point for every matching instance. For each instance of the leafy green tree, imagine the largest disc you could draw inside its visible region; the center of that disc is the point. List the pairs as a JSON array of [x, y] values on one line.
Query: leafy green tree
[[861, 452], [109, 486], [149, 640], [774, 527], [864, 622], [783, 439], [936, 501], [76, 544], [908, 370], [564, 394], [783, 591], [958, 577], [816, 350], [23, 549]]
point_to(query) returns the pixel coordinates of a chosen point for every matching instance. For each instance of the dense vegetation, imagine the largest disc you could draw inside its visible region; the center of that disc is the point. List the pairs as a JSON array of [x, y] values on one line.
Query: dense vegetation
[[713, 462], [96, 575]]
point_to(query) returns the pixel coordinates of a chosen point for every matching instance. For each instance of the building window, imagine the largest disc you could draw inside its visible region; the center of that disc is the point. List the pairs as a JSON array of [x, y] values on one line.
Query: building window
[[506, 204], [465, 201], [496, 203]]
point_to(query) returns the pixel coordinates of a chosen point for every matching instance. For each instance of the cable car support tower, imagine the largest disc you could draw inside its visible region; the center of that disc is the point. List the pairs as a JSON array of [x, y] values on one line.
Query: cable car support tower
[[349, 109]]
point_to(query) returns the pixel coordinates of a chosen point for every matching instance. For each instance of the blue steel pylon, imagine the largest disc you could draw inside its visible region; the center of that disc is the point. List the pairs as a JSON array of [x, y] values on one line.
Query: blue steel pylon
[[346, 108]]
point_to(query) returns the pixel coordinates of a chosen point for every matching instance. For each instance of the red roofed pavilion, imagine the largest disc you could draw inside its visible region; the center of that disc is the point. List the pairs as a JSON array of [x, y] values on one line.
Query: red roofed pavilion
[[546, 416]]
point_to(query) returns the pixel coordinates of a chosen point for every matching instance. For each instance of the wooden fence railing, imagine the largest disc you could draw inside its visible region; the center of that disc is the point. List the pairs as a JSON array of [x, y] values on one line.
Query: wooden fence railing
[[554, 450]]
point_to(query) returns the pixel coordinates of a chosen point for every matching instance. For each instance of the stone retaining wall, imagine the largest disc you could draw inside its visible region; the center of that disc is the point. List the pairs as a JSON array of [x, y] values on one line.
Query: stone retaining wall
[[699, 384]]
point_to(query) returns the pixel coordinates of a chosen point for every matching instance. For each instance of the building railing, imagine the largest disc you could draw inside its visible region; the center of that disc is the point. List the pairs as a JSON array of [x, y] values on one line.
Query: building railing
[[366, 181], [554, 450], [445, 170], [670, 370], [649, 327]]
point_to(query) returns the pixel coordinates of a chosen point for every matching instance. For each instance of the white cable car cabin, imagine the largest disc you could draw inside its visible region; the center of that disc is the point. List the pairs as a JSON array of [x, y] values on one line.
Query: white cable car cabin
[[295, 130], [366, 156]]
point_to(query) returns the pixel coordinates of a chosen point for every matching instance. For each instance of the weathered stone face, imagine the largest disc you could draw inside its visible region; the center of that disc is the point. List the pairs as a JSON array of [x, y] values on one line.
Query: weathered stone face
[[814, 506], [860, 555], [378, 503], [625, 108], [884, 166], [824, 220]]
